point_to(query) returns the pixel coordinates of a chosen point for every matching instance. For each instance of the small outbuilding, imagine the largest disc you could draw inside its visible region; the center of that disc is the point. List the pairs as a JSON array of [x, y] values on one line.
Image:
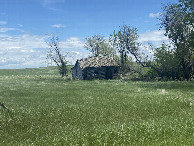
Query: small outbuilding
[[101, 67]]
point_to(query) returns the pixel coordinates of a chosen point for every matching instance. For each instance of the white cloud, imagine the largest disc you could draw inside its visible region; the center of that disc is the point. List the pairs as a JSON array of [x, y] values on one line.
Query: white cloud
[[22, 41], [153, 36], [3, 22], [26, 50], [75, 54], [72, 42], [153, 15], [18, 51], [6, 29], [156, 38], [58, 26]]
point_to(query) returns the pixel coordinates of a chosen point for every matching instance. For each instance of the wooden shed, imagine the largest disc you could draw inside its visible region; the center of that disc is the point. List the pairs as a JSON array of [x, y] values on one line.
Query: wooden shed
[[101, 67]]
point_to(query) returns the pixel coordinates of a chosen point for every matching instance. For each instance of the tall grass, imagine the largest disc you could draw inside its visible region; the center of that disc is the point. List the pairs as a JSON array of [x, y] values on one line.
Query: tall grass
[[54, 111]]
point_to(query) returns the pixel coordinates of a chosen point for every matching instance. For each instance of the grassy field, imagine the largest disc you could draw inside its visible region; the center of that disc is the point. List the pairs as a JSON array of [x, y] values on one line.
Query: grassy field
[[49, 110]]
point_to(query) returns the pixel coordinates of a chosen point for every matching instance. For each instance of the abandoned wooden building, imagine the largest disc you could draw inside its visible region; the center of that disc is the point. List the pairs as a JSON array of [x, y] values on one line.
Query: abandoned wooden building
[[102, 67]]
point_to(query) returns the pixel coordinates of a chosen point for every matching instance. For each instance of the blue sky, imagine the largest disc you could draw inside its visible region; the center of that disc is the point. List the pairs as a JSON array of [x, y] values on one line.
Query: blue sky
[[25, 25]]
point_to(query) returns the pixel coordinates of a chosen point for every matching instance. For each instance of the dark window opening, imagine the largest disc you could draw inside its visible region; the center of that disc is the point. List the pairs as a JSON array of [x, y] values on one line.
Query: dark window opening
[[109, 74]]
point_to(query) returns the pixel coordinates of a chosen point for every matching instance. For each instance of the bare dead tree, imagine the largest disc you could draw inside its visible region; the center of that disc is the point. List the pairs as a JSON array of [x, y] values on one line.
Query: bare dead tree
[[55, 54]]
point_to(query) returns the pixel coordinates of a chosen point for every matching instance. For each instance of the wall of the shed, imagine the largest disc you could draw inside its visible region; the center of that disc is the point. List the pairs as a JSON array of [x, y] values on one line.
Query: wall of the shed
[[77, 72], [105, 72]]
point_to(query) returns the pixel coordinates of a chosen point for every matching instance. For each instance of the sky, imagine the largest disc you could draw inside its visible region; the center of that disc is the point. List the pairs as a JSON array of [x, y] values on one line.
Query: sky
[[26, 25]]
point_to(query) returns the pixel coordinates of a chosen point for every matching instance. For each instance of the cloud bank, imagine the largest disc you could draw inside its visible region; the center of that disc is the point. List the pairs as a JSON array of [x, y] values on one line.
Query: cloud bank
[[26, 50], [153, 36]]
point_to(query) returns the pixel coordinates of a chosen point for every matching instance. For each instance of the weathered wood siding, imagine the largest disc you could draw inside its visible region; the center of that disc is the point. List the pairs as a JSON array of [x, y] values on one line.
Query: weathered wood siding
[[101, 67], [105, 72], [77, 72]]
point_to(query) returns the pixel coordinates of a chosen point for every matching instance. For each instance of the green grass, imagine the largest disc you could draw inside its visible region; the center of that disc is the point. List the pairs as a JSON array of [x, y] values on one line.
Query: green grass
[[51, 70], [55, 111]]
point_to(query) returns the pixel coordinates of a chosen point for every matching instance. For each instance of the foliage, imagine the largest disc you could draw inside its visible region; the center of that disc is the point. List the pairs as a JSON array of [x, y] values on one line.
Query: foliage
[[166, 62], [98, 45], [54, 111], [133, 70], [177, 20], [171, 63], [125, 40], [55, 54]]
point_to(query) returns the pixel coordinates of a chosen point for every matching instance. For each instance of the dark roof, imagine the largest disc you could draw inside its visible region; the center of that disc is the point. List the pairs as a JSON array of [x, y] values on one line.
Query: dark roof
[[96, 62]]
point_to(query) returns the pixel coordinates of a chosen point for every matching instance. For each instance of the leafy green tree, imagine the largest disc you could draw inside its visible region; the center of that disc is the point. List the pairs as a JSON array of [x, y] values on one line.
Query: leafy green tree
[[126, 42], [166, 63], [55, 54], [178, 20], [99, 46]]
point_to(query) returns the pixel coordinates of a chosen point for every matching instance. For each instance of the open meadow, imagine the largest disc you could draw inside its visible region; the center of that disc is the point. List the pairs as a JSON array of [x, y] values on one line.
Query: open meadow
[[48, 110]]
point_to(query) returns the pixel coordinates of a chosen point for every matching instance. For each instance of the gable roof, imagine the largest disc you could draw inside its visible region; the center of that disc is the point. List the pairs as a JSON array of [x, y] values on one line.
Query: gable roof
[[96, 62]]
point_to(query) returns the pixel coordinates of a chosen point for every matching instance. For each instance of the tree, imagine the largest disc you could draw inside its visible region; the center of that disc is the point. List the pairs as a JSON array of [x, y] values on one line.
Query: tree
[[55, 54], [166, 62], [126, 42], [99, 46], [177, 21]]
